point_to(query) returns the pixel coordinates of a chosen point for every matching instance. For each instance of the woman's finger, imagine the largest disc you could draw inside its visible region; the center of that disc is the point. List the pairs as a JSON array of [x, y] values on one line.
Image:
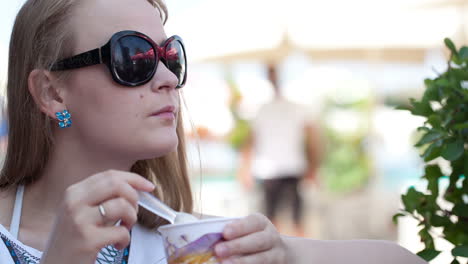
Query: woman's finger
[[250, 224], [110, 184], [114, 210], [253, 243], [119, 236]]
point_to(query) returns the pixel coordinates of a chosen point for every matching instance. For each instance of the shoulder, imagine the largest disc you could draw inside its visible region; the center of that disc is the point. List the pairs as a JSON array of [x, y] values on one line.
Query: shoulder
[[7, 197]]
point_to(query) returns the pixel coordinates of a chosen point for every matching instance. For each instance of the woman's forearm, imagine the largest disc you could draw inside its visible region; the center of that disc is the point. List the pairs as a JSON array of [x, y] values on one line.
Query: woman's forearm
[[307, 251]]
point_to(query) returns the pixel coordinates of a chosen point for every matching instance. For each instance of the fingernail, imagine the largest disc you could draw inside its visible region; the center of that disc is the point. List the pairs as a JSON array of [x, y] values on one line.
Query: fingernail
[[221, 250], [150, 184]]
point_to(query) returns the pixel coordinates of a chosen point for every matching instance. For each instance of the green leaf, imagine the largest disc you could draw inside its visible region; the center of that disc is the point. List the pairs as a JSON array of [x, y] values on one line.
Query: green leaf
[[464, 53], [451, 234], [465, 167], [454, 150], [426, 238], [460, 74], [457, 59], [442, 82], [465, 186], [447, 120], [429, 137], [453, 194], [432, 152], [396, 216], [455, 235], [460, 210], [450, 45], [455, 261], [461, 126], [457, 167], [460, 251], [412, 199], [423, 128], [463, 228], [435, 120], [433, 173], [438, 220], [432, 92], [428, 254], [403, 107], [428, 82], [421, 108]]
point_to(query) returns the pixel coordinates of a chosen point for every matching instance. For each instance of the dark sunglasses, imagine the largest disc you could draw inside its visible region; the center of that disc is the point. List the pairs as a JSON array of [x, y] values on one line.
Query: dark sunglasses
[[132, 58]]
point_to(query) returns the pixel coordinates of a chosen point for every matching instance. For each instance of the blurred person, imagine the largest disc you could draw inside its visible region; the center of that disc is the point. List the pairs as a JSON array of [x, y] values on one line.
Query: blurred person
[[281, 152], [64, 185]]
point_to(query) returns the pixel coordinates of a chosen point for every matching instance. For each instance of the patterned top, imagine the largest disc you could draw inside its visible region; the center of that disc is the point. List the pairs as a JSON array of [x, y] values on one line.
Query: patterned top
[[145, 245]]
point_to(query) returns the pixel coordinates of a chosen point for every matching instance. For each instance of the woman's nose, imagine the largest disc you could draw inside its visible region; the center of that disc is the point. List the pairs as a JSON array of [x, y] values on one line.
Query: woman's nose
[[163, 78]]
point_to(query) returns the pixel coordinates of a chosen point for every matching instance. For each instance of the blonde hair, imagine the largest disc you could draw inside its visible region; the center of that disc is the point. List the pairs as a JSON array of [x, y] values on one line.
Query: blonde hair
[[39, 38]]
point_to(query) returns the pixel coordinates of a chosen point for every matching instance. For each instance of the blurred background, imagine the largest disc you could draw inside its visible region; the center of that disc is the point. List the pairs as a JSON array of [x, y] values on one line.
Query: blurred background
[[345, 65]]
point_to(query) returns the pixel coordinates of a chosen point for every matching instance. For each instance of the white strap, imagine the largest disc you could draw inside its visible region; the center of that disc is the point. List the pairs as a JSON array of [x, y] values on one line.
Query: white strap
[[16, 218]]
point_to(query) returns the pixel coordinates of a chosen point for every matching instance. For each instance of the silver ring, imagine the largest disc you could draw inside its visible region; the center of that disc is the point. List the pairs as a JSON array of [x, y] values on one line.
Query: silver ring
[[102, 211]]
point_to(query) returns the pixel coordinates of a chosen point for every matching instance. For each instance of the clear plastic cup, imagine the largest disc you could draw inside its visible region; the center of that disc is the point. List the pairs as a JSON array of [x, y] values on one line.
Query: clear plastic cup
[[193, 243]]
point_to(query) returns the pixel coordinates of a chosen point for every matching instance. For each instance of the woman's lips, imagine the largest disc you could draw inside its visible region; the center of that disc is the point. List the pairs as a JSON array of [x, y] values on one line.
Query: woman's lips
[[165, 115], [167, 112]]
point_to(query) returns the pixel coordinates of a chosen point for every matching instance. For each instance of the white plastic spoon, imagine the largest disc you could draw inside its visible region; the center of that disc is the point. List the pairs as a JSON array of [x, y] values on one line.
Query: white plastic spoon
[[156, 206]]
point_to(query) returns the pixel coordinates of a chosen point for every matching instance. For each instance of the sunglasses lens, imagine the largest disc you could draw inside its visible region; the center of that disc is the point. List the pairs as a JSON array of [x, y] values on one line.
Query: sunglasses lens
[[176, 61], [134, 59]]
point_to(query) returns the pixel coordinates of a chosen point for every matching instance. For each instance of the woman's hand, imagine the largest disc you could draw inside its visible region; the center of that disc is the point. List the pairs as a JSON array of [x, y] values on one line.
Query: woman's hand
[[252, 240], [81, 230]]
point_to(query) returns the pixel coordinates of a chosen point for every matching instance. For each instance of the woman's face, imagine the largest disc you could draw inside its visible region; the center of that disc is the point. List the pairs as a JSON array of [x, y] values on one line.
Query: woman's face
[[108, 117]]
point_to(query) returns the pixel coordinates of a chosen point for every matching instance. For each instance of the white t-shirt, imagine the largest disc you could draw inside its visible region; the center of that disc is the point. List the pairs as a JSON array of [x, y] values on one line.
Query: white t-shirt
[[146, 246], [279, 148]]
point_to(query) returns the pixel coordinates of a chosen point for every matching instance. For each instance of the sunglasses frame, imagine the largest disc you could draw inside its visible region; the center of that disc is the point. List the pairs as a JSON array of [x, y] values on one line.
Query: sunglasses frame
[[104, 55]]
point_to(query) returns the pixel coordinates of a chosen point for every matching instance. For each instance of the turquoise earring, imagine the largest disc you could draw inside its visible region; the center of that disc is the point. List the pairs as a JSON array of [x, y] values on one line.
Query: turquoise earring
[[64, 119]]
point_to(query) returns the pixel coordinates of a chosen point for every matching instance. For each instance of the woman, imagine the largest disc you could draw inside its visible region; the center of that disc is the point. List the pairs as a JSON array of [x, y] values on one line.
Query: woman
[[90, 127]]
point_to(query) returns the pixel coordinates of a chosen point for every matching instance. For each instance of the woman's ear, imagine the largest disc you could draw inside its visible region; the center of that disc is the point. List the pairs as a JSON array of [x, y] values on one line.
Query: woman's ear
[[43, 88]]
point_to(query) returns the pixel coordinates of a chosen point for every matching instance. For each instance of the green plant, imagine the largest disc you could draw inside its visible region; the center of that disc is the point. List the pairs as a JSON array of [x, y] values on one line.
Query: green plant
[[443, 212], [239, 134], [346, 167]]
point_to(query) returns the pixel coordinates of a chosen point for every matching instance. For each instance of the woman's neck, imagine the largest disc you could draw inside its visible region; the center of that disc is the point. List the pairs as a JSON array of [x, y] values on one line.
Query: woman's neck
[[68, 164]]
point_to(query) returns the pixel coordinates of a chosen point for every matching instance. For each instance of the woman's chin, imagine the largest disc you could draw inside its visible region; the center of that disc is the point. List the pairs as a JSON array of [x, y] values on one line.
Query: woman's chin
[[159, 149]]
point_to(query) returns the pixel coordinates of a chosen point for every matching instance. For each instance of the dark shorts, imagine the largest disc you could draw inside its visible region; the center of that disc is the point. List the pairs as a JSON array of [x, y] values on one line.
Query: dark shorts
[[282, 190]]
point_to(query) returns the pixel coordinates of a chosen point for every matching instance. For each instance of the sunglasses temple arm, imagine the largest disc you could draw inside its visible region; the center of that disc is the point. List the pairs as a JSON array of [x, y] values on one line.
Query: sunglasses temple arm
[[84, 59]]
